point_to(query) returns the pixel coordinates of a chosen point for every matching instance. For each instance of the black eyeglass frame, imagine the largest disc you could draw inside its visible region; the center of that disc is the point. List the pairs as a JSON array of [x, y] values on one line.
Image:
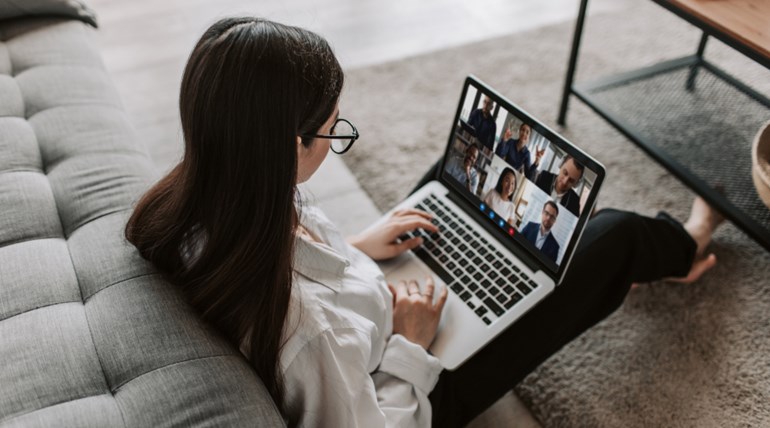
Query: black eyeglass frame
[[353, 137]]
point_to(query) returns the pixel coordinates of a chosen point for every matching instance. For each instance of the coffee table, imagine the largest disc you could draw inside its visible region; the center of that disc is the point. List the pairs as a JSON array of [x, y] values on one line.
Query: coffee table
[[704, 119]]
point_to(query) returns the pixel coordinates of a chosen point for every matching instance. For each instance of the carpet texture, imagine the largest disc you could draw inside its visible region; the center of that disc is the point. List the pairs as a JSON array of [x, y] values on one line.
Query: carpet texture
[[672, 355]]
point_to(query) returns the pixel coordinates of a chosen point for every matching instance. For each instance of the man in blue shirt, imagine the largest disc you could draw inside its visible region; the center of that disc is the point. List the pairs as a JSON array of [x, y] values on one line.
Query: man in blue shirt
[[517, 154], [463, 169], [483, 122], [540, 234]]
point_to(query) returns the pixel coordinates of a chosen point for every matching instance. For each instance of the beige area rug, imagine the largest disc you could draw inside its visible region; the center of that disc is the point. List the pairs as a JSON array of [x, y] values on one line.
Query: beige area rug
[[673, 355]]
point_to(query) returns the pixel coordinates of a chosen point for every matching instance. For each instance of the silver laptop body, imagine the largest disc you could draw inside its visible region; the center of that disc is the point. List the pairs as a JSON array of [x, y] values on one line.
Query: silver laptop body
[[495, 271]]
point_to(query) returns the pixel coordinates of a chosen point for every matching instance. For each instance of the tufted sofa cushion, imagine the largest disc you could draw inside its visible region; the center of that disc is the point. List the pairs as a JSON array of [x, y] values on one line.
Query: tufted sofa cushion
[[90, 333]]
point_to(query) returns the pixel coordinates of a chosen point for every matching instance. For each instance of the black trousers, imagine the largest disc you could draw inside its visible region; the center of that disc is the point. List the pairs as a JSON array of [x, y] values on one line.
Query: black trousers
[[617, 249]]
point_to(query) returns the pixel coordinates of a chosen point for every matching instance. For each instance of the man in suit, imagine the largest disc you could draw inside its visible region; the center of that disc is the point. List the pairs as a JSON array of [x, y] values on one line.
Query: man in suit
[[540, 234], [559, 187]]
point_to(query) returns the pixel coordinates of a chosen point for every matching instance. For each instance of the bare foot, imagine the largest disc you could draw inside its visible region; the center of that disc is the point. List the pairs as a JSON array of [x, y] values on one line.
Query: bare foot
[[698, 268], [702, 223]]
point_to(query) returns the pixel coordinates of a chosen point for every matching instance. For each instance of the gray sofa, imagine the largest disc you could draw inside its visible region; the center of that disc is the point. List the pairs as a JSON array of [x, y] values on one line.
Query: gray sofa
[[90, 333]]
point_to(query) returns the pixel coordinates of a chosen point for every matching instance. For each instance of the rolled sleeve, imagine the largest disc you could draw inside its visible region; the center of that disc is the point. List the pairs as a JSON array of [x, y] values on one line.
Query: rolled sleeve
[[410, 362]]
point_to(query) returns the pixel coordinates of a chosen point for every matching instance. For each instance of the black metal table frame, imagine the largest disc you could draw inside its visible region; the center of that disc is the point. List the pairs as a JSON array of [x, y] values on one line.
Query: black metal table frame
[[694, 62]]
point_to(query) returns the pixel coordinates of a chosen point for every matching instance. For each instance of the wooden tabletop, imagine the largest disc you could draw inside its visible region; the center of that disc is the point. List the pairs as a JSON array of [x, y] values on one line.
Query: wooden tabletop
[[746, 21]]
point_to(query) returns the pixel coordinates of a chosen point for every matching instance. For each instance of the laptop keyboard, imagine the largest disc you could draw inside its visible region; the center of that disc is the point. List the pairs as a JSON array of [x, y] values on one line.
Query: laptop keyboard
[[483, 277]]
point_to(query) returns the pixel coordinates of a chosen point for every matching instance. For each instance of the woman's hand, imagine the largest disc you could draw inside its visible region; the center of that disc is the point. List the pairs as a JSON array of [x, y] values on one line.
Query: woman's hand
[[414, 315], [381, 242]]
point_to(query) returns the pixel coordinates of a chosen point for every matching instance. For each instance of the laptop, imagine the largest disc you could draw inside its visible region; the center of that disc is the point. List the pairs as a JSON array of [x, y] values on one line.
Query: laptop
[[500, 250]]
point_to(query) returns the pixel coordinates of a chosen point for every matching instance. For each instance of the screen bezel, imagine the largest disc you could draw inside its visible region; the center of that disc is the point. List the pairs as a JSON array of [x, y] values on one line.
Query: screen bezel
[[548, 266]]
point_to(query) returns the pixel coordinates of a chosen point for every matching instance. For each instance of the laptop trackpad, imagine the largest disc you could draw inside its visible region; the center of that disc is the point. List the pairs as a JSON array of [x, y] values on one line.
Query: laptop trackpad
[[459, 330]]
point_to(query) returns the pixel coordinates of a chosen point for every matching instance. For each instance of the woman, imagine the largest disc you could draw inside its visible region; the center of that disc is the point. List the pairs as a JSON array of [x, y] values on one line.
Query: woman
[[334, 344], [500, 198]]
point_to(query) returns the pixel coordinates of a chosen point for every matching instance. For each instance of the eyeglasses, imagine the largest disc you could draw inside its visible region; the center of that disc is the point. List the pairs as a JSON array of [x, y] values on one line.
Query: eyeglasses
[[343, 135]]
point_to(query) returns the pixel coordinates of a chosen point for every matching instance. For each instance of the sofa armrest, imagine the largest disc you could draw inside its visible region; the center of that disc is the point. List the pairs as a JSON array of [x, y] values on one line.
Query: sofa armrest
[[68, 8]]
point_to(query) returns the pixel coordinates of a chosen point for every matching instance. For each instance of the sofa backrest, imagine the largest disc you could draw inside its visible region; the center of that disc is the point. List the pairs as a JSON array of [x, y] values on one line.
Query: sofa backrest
[[90, 333]]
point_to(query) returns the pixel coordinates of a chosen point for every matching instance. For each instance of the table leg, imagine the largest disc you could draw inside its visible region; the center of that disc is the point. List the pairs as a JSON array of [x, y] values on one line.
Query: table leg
[[694, 68], [572, 63]]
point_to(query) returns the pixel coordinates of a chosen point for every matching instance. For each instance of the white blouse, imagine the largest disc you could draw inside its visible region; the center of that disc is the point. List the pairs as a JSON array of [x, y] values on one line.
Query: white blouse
[[503, 208], [342, 365]]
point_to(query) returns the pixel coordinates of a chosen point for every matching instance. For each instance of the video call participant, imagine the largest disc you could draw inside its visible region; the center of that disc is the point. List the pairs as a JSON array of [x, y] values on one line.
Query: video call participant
[[517, 154], [540, 234], [464, 170], [559, 187], [481, 119], [500, 198]]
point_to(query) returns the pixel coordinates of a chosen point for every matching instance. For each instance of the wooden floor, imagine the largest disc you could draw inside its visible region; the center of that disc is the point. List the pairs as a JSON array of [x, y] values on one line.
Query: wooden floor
[[145, 44]]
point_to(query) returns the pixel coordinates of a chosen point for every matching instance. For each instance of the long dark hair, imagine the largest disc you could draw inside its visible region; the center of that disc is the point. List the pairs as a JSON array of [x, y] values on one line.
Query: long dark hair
[[221, 224], [499, 186]]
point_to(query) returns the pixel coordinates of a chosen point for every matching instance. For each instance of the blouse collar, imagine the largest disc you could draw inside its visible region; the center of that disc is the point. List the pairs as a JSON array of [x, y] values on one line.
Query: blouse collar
[[320, 262]]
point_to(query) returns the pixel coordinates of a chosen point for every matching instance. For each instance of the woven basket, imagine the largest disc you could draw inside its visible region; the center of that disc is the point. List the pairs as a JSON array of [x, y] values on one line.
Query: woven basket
[[760, 163]]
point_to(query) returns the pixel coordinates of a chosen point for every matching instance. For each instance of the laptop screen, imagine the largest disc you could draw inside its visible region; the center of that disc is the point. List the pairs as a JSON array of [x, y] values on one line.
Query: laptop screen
[[536, 188]]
